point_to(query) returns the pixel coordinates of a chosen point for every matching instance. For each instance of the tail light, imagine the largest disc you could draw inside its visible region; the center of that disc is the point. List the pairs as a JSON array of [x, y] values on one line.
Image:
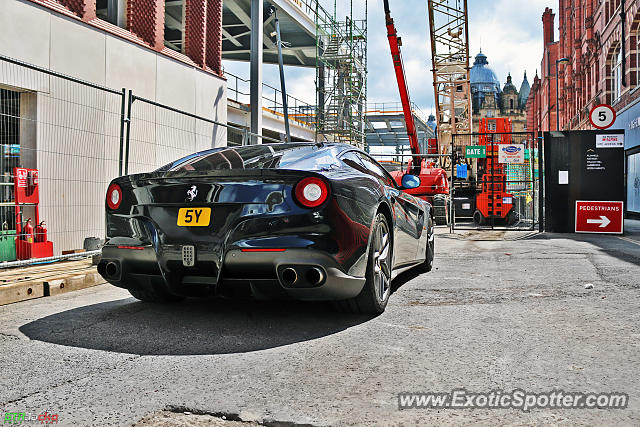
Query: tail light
[[114, 196], [312, 192]]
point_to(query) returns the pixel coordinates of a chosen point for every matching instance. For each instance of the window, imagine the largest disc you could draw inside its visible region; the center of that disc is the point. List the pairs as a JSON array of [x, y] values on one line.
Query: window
[[11, 127], [302, 157], [174, 11], [511, 103], [376, 170], [113, 11], [352, 160], [638, 57], [617, 75]]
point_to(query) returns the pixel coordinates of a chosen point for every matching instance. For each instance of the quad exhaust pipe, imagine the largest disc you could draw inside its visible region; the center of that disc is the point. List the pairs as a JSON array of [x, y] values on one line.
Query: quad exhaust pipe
[[310, 277], [110, 270], [289, 276], [315, 276]]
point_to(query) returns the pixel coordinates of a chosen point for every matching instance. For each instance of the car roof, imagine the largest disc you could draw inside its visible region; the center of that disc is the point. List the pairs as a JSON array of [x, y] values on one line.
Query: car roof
[[282, 146]]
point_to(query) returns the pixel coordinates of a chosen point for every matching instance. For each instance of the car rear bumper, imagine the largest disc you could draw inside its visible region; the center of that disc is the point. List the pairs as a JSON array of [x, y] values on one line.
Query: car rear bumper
[[290, 273]]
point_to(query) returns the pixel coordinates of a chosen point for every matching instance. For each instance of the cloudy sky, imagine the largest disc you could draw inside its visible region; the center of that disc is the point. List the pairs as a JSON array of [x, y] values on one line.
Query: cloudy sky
[[509, 31]]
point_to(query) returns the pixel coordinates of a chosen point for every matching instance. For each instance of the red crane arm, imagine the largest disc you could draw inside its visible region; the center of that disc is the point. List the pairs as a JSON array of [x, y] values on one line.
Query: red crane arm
[[398, 65]]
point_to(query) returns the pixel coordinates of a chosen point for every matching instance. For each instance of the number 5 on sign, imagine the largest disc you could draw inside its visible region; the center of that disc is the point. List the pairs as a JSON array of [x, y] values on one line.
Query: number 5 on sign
[[602, 116]]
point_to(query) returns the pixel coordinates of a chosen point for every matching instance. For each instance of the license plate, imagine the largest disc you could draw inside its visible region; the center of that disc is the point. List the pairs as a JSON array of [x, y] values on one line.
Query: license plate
[[194, 217]]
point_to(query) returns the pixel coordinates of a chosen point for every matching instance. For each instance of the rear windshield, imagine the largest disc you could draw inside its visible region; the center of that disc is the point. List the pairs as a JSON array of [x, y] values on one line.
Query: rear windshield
[[292, 156]]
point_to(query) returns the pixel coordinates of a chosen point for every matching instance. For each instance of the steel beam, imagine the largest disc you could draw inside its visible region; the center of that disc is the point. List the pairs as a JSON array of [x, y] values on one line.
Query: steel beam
[[257, 46]]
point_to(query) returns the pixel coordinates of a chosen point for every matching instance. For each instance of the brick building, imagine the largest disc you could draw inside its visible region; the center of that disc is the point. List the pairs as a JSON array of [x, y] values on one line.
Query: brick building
[[541, 111], [601, 41]]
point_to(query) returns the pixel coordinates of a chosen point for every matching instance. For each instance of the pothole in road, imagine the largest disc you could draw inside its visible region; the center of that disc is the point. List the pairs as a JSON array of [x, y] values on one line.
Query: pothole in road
[[185, 417]]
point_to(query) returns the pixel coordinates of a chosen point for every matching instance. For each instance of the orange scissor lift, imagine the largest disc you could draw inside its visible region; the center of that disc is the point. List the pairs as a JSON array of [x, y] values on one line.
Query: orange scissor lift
[[493, 202]]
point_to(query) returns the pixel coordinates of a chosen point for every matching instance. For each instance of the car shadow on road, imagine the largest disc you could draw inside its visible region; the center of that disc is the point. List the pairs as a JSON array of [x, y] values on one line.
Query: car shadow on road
[[193, 327], [403, 278]]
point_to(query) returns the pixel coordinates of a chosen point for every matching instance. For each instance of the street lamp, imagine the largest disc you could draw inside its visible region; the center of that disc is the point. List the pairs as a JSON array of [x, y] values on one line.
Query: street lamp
[[558, 61]]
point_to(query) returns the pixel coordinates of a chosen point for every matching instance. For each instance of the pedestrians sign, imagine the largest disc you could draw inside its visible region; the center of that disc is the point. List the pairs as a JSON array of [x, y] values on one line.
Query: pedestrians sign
[[475, 152], [602, 116], [599, 217]]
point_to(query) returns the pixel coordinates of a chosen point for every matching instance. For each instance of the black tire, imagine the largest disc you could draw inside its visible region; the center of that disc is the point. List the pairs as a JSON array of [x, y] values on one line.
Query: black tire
[[478, 218], [442, 220], [512, 218], [441, 209], [427, 265], [155, 295], [376, 291]]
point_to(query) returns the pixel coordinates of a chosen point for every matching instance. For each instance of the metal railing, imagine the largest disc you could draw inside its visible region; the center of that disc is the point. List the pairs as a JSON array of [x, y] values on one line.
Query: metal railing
[[394, 108], [238, 89]]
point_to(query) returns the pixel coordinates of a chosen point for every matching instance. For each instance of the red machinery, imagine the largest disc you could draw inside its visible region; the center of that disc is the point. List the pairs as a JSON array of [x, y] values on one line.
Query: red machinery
[[434, 185], [493, 202], [28, 244]]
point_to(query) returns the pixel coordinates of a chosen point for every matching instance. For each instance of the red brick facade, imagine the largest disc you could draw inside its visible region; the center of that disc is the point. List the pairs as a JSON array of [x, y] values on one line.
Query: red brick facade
[[541, 105], [145, 25], [145, 19], [600, 39], [214, 36], [195, 31], [85, 9]]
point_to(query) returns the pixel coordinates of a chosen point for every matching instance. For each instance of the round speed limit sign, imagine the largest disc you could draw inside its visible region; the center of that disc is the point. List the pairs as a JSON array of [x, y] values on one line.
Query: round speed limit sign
[[602, 116]]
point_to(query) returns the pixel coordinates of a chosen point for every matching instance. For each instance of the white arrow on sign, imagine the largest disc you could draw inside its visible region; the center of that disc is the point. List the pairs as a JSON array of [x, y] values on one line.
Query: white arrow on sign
[[603, 221]]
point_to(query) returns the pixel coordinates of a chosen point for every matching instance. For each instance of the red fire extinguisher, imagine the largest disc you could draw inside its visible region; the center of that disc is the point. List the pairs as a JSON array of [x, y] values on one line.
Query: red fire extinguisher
[[28, 231], [41, 232]]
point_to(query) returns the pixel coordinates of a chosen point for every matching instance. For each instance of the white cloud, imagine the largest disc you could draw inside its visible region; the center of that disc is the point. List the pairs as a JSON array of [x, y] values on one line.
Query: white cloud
[[510, 32]]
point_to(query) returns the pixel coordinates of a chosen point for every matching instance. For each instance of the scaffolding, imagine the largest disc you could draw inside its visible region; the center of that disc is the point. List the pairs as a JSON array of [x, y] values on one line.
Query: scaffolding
[[449, 27], [341, 77]]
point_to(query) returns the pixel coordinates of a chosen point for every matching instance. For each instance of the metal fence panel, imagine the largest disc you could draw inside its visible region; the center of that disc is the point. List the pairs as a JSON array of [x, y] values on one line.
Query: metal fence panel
[[159, 134], [70, 131], [496, 194], [79, 136]]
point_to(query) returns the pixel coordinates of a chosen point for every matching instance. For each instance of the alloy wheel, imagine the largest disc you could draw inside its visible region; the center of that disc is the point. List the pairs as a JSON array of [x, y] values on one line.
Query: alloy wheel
[[382, 263]]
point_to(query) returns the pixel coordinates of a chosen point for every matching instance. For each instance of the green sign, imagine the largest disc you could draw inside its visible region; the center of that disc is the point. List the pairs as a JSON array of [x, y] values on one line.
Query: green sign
[[475, 152]]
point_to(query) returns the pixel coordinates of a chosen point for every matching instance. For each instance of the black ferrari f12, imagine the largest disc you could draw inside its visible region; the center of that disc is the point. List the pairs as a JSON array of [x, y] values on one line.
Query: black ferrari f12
[[302, 221]]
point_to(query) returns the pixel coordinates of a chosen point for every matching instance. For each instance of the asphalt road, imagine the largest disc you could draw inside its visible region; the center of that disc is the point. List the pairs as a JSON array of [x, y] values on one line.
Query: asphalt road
[[494, 314]]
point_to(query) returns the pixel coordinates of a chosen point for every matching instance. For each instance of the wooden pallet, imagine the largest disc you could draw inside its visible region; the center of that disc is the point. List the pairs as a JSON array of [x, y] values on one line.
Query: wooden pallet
[[24, 283]]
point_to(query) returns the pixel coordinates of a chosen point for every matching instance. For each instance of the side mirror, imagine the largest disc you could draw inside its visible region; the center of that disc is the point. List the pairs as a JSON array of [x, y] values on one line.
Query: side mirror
[[410, 181]]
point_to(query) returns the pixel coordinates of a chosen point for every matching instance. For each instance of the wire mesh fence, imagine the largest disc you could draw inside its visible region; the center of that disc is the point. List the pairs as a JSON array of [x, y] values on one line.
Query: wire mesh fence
[[67, 130], [159, 135], [62, 140], [495, 181]]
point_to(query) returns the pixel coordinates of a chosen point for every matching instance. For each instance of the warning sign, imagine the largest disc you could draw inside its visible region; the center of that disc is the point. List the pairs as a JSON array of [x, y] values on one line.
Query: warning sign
[[610, 141], [511, 153], [21, 175], [599, 217]]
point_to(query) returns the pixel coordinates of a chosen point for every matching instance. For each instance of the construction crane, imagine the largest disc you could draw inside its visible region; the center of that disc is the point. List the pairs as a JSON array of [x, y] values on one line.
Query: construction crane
[[449, 28], [394, 44], [434, 185]]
